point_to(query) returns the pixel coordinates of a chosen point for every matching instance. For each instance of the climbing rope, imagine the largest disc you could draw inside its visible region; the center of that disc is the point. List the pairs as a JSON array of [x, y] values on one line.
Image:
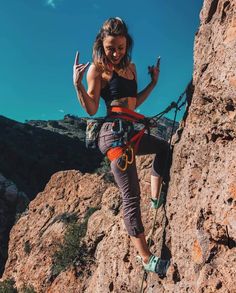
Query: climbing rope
[[177, 106], [149, 243]]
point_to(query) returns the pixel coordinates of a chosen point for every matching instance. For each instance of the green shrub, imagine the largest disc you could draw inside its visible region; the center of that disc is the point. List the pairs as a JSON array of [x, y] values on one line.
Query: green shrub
[[72, 246], [68, 218], [88, 214], [27, 247], [27, 289], [8, 286], [105, 170]]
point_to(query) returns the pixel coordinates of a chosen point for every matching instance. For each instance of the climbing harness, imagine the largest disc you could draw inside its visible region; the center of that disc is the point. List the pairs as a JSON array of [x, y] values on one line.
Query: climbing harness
[[177, 106], [126, 150]]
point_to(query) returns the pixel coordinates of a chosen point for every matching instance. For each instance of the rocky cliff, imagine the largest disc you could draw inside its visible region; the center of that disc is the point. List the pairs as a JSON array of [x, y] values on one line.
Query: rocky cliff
[[202, 195], [72, 238]]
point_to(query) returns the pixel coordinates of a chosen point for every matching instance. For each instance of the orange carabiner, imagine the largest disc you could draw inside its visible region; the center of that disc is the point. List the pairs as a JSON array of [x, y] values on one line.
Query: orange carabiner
[[125, 157], [131, 150]]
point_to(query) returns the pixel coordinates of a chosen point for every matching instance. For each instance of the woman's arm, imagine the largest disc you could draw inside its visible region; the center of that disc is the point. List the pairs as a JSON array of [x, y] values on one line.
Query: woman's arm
[[142, 95], [89, 99]]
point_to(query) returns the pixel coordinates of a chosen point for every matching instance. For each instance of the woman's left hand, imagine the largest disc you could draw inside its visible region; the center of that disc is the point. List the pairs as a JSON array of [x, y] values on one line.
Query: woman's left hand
[[154, 72]]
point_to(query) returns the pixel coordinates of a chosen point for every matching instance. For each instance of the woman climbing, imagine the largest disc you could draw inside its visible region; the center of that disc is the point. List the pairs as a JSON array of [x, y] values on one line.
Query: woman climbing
[[112, 76]]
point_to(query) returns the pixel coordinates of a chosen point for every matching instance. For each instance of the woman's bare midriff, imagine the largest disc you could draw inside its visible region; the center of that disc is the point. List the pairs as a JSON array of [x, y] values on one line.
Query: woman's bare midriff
[[128, 102]]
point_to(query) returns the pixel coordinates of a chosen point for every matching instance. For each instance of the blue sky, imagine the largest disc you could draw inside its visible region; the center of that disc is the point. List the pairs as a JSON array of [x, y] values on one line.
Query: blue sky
[[39, 38]]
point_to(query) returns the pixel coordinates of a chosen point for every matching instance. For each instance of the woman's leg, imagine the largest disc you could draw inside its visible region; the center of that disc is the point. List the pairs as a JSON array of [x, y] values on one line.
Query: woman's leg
[[128, 184], [141, 246], [156, 183], [153, 145]]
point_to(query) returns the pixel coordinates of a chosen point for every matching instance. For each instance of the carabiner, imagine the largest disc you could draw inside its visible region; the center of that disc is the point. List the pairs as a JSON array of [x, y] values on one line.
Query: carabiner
[[117, 127], [131, 150], [126, 159]]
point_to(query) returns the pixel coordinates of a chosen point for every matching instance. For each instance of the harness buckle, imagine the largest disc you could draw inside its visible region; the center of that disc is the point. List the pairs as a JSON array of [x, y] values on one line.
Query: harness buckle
[[117, 127]]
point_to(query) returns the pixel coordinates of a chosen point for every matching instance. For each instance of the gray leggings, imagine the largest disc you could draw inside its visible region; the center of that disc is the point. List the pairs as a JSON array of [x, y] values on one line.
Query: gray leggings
[[127, 180]]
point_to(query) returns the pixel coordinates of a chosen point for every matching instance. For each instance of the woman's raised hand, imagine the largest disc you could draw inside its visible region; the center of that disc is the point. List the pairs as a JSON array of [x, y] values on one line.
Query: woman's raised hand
[[78, 71], [154, 72]]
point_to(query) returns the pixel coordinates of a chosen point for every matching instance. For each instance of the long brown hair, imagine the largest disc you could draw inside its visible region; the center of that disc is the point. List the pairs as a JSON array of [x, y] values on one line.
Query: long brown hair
[[114, 26]]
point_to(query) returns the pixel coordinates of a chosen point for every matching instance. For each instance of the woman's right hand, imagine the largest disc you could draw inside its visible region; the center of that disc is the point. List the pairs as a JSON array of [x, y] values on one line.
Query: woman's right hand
[[78, 71]]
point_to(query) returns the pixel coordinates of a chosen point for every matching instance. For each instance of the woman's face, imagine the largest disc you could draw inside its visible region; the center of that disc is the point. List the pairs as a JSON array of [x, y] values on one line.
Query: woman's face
[[115, 48]]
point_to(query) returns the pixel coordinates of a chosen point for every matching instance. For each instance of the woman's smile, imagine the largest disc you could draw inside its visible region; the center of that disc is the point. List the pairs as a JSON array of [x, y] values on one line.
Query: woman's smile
[[115, 48]]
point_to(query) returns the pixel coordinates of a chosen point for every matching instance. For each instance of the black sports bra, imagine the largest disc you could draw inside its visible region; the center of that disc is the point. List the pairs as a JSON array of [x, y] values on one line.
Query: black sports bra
[[119, 87]]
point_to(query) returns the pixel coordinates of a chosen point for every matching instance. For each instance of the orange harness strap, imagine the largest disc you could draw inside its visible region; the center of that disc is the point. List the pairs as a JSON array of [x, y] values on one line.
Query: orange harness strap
[[114, 153], [127, 154], [130, 114]]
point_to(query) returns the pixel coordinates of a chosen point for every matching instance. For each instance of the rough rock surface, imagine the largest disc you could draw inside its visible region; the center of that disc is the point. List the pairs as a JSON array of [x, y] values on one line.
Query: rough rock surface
[[110, 263], [12, 202], [200, 235], [202, 195]]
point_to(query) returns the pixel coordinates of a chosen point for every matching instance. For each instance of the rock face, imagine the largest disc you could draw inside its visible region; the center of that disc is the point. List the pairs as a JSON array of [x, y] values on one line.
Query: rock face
[[202, 194], [39, 232], [12, 202], [104, 260], [72, 238]]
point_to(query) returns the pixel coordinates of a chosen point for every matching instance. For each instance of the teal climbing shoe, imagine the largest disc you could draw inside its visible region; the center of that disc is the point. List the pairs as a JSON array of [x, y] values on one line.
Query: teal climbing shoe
[[157, 265], [156, 203]]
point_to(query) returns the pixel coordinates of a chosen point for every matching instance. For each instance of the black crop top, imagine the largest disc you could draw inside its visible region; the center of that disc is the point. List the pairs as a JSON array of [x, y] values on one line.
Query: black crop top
[[119, 87]]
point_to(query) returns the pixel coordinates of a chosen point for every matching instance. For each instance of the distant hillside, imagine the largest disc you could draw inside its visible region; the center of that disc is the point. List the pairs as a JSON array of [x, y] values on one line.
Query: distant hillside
[[31, 152]]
